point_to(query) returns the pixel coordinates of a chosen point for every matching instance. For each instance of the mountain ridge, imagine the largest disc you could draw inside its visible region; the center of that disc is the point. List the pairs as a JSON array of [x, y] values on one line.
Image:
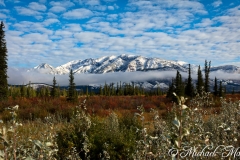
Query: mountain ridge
[[125, 63]]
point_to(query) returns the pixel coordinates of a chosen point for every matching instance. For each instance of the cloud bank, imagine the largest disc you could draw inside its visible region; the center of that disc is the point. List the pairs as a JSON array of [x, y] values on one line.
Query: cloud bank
[[20, 76]]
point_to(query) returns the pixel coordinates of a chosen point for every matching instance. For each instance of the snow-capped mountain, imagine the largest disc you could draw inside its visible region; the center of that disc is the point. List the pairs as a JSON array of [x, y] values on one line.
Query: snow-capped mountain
[[122, 63], [226, 68], [44, 68], [125, 63]]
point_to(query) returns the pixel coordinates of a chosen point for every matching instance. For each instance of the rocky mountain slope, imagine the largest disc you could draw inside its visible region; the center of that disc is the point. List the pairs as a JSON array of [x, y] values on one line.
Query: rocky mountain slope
[[125, 63]]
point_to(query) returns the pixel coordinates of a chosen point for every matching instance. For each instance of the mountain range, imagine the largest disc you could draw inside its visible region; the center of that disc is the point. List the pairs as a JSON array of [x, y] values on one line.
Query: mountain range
[[132, 63], [125, 63]]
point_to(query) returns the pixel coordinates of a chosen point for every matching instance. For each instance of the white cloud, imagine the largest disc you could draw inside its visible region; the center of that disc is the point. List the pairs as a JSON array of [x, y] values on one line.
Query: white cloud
[[81, 13], [217, 3], [51, 15], [36, 38], [74, 27], [87, 37], [28, 12], [63, 33], [37, 6], [165, 29], [48, 22], [27, 26], [65, 4], [57, 9], [110, 8], [205, 23], [20, 76], [89, 2]]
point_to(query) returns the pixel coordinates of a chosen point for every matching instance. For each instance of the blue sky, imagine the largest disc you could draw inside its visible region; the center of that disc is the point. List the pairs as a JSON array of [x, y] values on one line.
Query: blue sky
[[56, 32]]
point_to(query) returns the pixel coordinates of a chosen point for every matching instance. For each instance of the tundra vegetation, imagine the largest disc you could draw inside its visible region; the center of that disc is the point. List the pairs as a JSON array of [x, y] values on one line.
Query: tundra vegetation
[[91, 129]]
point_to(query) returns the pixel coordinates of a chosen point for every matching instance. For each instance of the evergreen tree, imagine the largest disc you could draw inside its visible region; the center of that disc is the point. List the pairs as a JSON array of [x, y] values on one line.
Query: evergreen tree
[[71, 88], [170, 91], [117, 90], [179, 87], [199, 84], [54, 88], [3, 65], [207, 71], [215, 88], [189, 89]]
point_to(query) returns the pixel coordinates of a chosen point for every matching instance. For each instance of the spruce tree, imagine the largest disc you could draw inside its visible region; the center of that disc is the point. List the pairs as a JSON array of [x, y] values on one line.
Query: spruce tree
[[171, 89], [54, 88], [215, 89], [3, 65], [207, 71], [71, 88], [179, 85], [199, 84], [189, 89]]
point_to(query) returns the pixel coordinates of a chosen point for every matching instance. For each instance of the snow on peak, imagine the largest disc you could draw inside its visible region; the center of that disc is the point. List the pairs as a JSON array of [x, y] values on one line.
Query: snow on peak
[[123, 63], [43, 66]]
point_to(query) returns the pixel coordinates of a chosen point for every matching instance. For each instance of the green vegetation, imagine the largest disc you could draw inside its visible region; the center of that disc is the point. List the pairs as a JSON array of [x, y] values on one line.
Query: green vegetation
[[3, 65], [72, 95], [142, 134], [206, 80]]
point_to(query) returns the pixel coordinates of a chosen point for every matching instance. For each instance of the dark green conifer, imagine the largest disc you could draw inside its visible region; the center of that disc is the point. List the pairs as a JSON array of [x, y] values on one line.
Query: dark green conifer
[[200, 83], [189, 89], [207, 71], [179, 87], [3, 65], [71, 88], [171, 89], [54, 88]]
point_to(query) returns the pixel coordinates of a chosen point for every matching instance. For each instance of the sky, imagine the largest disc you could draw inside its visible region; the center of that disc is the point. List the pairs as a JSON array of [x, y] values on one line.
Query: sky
[[56, 32]]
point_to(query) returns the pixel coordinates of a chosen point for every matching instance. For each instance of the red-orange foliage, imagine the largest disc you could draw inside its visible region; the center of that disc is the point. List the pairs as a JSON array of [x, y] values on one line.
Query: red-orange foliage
[[33, 108]]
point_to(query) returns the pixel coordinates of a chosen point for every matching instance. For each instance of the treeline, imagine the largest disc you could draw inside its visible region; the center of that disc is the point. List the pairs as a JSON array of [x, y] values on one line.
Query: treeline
[[28, 92], [126, 89], [178, 86], [187, 88]]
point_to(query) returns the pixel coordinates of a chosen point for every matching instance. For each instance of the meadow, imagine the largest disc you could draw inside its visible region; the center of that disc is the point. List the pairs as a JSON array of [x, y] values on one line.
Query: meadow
[[120, 127]]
